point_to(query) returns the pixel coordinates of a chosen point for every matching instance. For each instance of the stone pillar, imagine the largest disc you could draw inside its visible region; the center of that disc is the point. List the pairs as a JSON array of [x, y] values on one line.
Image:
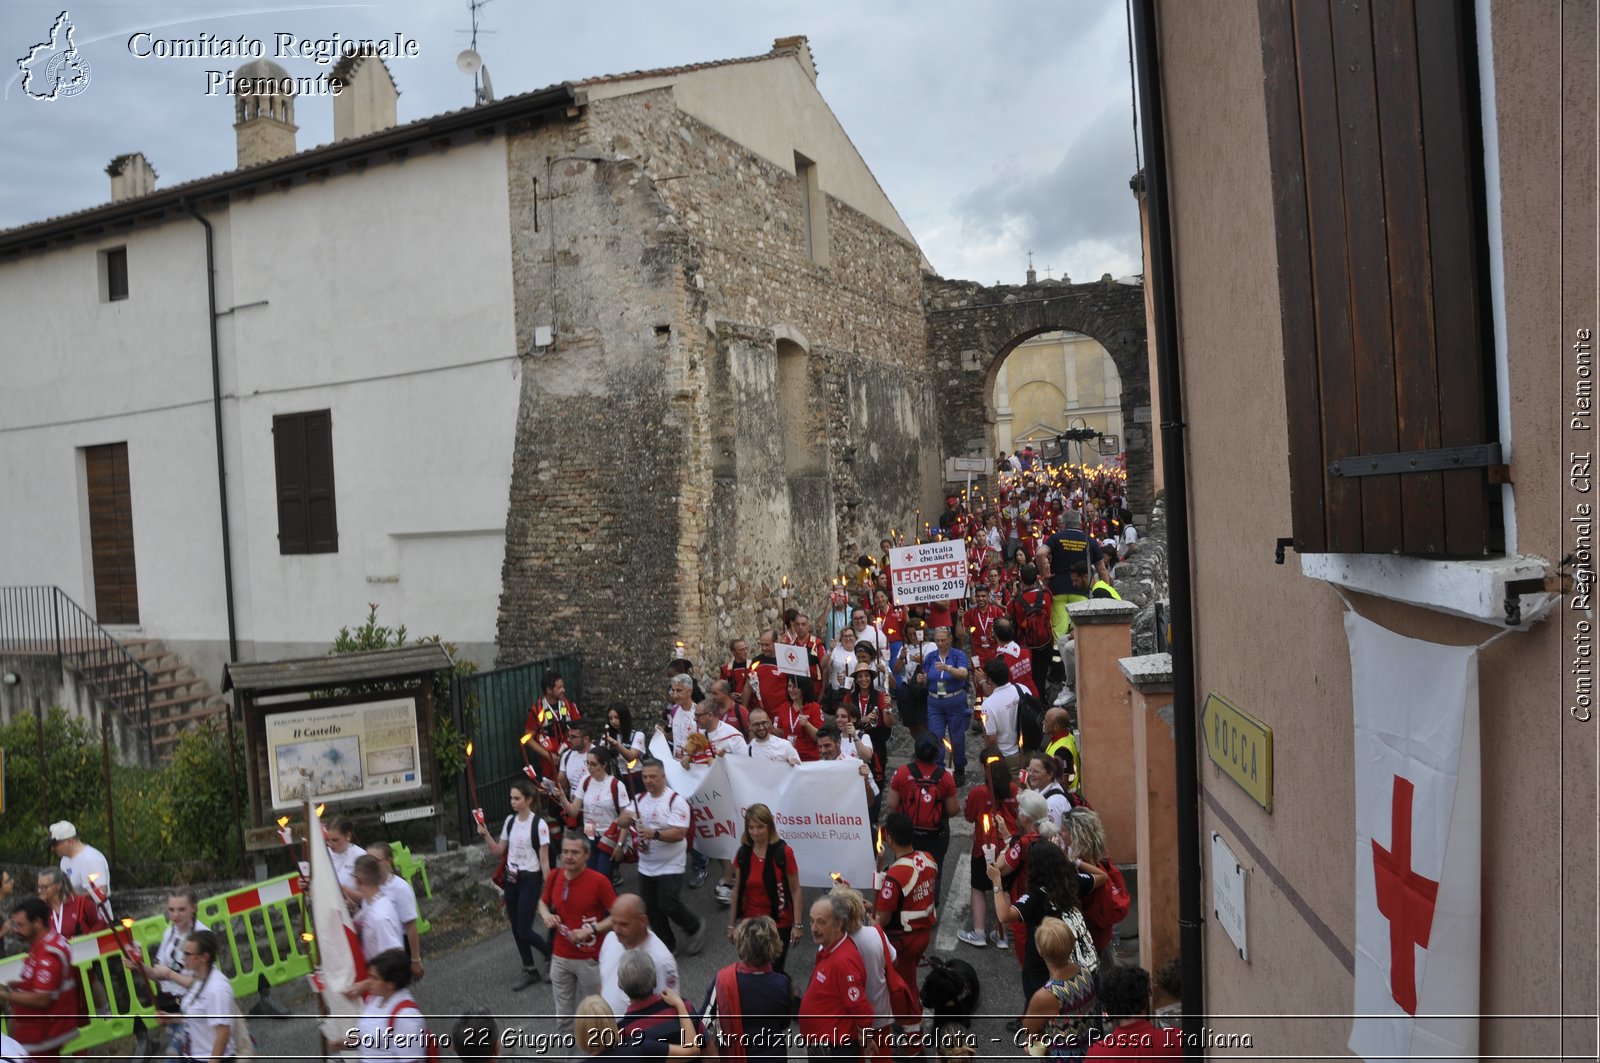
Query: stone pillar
[[1105, 733], [1155, 770]]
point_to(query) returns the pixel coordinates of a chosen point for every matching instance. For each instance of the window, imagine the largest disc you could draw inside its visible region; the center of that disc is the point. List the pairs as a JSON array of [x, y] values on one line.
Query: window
[[813, 211], [302, 445], [1374, 146], [114, 274]]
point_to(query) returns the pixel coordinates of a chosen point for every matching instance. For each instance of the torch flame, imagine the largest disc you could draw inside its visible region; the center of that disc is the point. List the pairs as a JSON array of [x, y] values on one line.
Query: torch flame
[[127, 924], [525, 739], [837, 878], [469, 749], [986, 824], [947, 746], [94, 877], [306, 936], [283, 821], [320, 809]]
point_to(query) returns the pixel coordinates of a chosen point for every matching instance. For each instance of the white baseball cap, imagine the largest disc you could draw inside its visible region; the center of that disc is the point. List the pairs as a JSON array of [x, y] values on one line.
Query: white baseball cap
[[61, 831]]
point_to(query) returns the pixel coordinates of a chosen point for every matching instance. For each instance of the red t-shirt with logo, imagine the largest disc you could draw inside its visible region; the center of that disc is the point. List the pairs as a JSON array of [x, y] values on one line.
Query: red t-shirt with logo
[[786, 724], [908, 886], [736, 673], [47, 968], [979, 622], [835, 1007]]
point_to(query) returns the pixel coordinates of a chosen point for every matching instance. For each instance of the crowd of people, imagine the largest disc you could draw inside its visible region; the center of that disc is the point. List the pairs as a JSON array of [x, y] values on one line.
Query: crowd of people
[[596, 803]]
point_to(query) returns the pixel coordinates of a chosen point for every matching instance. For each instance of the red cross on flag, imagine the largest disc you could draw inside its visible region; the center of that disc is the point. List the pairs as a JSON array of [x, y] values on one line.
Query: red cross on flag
[[792, 660], [1417, 847]]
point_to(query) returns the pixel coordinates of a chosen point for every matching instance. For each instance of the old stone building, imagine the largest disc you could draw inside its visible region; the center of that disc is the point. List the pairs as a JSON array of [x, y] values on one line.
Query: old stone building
[[732, 388]]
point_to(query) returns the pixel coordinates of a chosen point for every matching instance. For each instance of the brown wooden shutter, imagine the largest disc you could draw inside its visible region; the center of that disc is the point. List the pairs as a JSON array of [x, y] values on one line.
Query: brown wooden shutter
[[303, 454], [1373, 134], [116, 585]]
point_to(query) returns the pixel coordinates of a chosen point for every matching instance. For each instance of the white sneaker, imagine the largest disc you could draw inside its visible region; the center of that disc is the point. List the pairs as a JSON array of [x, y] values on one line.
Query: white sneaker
[[972, 937], [724, 893], [1066, 697]]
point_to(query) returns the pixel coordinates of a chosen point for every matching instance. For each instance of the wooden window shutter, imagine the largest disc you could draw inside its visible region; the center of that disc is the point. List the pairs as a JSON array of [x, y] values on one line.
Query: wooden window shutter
[[303, 453], [1373, 132]]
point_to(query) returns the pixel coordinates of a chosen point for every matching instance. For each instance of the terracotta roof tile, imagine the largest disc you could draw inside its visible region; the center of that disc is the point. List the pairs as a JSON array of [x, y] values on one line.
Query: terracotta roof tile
[[672, 71]]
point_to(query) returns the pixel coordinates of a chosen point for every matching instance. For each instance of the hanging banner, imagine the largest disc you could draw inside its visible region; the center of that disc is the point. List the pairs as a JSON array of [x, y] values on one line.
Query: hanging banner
[[821, 809], [928, 572], [1418, 855]]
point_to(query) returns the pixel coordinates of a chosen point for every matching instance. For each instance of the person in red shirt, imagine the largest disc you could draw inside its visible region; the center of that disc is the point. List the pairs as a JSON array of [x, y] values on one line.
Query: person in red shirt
[[767, 686], [1125, 996], [908, 902], [547, 721], [800, 717], [736, 670], [44, 1001], [979, 622], [70, 914], [835, 1010], [576, 906], [800, 635], [926, 792], [1018, 658]]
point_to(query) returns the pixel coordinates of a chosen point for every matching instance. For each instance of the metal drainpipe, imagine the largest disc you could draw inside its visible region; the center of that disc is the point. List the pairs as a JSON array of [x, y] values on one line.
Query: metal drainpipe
[[1170, 389], [216, 412]]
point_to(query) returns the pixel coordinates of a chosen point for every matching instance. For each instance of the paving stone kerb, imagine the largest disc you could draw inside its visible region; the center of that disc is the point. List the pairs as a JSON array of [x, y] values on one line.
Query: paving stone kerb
[[972, 327]]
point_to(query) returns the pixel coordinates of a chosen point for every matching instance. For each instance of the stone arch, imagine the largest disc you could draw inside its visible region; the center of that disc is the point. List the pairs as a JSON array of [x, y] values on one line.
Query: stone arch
[[973, 327]]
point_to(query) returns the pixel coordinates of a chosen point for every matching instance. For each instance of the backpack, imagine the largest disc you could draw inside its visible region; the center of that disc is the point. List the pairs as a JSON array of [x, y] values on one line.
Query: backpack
[[1030, 720], [927, 812], [1034, 627], [430, 1040]]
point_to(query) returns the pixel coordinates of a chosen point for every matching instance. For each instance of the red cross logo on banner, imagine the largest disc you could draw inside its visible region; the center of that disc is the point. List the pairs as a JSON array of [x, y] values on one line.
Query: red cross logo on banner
[[1405, 898]]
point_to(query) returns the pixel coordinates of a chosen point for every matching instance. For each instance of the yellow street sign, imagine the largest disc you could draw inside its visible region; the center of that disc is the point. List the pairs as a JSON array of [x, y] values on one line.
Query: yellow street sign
[[1240, 745]]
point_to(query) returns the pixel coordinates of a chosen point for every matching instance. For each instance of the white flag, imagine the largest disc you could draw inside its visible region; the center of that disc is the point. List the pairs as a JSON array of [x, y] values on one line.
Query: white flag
[[792, 660], [1417, 846], [338, 948]]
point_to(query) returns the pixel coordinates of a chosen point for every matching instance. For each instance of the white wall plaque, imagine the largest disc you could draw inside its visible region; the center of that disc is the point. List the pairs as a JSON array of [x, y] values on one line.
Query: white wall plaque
[[1227, 893]]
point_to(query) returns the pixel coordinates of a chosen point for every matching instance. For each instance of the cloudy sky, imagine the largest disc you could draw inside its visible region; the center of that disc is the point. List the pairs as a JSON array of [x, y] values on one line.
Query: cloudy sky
[[996, 127]]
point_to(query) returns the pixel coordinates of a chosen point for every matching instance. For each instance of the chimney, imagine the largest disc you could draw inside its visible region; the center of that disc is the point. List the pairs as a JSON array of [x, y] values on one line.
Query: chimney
[[802, 49], [131, 176], [367, 96]]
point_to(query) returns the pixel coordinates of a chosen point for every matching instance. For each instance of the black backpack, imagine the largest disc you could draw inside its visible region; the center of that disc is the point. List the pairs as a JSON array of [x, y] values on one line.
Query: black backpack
[[1030, 720]]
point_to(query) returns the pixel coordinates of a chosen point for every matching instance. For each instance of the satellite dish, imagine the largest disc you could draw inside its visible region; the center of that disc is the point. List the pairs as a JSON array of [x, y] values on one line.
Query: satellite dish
[[486, 93], [469, 61]]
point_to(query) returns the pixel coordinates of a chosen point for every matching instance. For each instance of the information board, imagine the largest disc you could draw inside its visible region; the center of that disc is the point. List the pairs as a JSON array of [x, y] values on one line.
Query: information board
[[344, 752]]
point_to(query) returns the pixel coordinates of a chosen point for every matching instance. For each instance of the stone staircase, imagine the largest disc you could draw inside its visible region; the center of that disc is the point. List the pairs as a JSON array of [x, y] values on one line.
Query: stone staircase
[[179, 698]]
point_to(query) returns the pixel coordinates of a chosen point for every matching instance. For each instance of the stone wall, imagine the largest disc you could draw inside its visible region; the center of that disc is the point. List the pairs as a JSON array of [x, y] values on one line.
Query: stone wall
[[668, 473], [972, 327]]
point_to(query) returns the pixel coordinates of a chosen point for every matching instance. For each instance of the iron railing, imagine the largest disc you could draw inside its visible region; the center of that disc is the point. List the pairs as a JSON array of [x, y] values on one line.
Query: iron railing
[[42, 622]]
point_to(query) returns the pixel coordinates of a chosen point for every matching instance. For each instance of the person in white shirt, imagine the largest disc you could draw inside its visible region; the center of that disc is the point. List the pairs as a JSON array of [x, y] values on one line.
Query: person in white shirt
[[630, 929], [208, 1007], [842, 659], [764, 745], [1000, 712], [662, 816], [404, 899], [391, 1026], [344, 851], [377, 921], [828, 748], [680, 689], [724, 738], [79, 860], [867, 631], [877, 953], [573, 766], [854, 743], [524, 846], [166, 965]]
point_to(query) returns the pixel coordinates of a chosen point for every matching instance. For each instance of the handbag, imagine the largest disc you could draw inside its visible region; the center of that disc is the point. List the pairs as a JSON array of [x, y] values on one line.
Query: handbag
[[904, 1004]]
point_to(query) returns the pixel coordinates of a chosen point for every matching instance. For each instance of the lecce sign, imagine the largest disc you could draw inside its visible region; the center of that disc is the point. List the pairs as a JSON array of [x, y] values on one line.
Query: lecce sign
[[1240, 745]]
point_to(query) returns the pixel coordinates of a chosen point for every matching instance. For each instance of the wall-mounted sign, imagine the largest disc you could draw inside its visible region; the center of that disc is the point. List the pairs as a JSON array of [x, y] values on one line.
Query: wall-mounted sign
[[1227, 893], [1241, 746], [344, 752]]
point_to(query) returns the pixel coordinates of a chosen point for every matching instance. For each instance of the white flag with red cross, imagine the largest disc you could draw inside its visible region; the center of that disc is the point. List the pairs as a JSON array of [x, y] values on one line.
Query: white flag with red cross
[[1418, 845], [792, 660]]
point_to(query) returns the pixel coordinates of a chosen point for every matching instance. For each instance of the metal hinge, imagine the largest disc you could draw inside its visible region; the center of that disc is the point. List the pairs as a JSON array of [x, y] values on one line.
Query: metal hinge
[[1479, 456]]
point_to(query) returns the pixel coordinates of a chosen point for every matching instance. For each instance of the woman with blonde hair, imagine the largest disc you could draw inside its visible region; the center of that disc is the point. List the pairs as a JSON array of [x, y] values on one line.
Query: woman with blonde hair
[[766, 880], [749, 1000], [594, 1029], [1061, 1012], [1102, 894]]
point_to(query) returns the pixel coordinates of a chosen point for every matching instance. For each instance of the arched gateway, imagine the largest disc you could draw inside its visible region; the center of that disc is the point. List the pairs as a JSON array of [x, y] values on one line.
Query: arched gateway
[[971, 329]]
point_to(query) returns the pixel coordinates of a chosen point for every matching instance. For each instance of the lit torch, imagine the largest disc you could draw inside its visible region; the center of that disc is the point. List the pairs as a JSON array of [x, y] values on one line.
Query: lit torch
[[472, 787], [522, 747]]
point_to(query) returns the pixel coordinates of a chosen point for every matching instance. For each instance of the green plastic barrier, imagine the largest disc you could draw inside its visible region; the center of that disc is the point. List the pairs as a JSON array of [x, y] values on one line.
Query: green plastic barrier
[[259, 932], [259, 941], [97, 959], [409, 867]]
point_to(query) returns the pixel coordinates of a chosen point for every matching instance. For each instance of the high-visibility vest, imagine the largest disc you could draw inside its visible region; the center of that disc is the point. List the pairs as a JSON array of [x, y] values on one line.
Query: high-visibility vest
[[1102, 589]]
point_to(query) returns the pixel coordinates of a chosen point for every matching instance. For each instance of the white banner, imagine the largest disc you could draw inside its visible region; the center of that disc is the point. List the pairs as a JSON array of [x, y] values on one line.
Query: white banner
[[821, 809], [928, 572], [1417, 847], [343, 752]]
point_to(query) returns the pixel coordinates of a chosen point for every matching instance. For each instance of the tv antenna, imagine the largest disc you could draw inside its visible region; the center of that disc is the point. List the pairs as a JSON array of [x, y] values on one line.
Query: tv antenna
[[471, 62]]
